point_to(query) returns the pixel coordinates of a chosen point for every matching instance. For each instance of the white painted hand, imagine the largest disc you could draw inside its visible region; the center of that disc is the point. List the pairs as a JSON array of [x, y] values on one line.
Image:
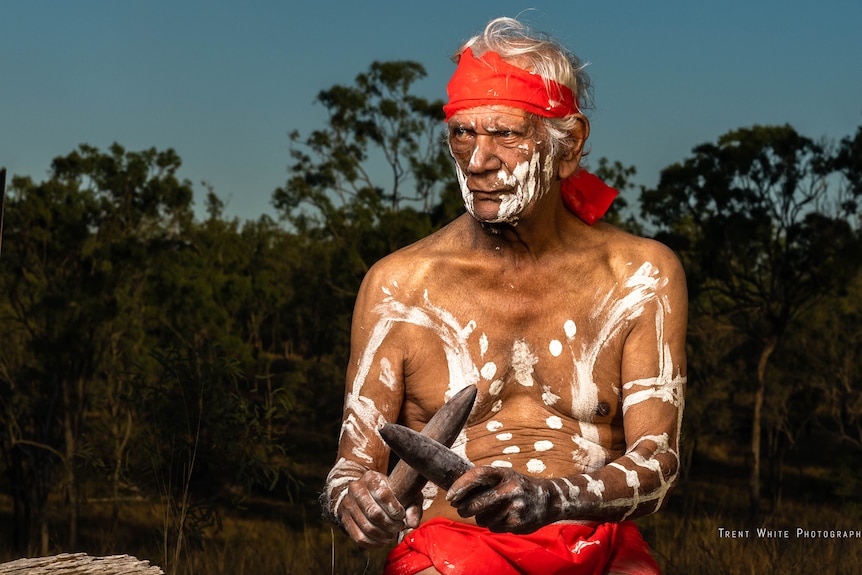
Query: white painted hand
[[503, 500], [371, 514]]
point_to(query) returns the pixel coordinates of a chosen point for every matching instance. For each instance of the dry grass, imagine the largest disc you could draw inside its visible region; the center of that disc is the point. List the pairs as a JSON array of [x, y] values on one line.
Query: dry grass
[[275, 538], [691, 534], [286, 540], [695, 545]]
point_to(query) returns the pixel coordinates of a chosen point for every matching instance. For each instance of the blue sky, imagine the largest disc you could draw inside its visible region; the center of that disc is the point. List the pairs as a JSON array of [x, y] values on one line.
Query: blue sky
[[224, 82]]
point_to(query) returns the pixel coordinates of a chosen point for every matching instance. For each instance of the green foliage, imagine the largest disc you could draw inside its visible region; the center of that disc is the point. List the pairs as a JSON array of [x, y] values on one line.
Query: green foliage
[[750, 218], [848, 162], [619, 177], [122, 311], [377, 126], [104, 271]]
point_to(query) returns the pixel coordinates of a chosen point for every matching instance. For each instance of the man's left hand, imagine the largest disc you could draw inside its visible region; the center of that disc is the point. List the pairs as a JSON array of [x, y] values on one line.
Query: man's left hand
[[503, 500]]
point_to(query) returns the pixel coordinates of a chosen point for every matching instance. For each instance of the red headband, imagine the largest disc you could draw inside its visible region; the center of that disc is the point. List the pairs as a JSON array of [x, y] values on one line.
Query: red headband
[[489, 81]]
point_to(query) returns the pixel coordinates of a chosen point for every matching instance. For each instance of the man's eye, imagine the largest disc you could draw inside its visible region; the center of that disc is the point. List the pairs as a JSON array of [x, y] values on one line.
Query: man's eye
[[461, 134]]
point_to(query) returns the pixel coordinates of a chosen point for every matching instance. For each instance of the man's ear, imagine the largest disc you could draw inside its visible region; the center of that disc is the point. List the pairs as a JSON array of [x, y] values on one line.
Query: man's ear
[[571, 157]]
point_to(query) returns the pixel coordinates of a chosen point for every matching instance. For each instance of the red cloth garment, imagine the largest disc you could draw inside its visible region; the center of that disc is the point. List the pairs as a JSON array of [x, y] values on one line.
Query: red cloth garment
[[559, 549], [488, 81]]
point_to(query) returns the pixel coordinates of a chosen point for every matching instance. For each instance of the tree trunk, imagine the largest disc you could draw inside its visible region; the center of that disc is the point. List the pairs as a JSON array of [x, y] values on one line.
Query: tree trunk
[[22, 511], [69, 464], [120, 444], [756, 424]]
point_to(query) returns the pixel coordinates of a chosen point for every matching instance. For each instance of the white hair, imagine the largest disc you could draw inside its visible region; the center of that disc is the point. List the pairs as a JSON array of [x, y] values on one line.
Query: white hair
[[516, 43]]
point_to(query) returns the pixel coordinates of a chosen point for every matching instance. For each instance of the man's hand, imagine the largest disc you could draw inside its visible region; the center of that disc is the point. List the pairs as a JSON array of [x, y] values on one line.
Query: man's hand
[[371, 514], [503, 500]]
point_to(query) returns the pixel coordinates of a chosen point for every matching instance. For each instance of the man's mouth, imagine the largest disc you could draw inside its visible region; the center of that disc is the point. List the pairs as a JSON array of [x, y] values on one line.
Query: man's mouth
[[490, 193]]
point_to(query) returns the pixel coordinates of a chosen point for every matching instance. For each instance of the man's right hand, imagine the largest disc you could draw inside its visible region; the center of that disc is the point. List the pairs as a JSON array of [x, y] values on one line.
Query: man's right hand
[[371, 514]]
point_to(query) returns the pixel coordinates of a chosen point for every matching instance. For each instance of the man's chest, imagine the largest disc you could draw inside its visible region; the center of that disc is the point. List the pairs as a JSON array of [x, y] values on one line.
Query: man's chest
[[560, 356]]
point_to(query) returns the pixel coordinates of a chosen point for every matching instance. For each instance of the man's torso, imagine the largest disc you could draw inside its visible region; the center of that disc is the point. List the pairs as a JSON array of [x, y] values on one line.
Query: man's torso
[[543, 342]]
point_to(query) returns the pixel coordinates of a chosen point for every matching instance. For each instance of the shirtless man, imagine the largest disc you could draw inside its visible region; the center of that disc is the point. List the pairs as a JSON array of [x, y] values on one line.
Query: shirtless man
[[572, 330]]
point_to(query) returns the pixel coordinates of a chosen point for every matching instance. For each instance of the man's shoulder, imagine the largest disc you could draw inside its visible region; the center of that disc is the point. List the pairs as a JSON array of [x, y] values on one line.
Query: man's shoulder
[[625, 250], [445, 242], [420, 260]]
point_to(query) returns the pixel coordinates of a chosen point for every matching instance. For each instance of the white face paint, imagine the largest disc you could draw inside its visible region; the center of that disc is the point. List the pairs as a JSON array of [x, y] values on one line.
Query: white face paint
[[528, 182]]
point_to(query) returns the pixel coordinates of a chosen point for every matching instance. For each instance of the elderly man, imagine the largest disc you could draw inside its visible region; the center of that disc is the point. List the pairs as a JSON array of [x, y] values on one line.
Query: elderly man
[[572, 330]]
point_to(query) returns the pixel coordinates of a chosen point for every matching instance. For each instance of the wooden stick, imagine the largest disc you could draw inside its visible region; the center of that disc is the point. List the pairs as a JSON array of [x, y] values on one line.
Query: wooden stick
[[443, 427]]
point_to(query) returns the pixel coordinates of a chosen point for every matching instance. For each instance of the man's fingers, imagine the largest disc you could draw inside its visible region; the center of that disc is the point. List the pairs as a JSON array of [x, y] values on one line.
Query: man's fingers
[[370, 513], [414, 516], [479, 481], [480, 499], [378, 505], [365, 533], [386, 501]]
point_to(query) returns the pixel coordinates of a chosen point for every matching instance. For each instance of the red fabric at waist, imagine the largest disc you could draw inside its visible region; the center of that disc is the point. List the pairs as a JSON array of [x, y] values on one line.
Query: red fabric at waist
[[463, 549]]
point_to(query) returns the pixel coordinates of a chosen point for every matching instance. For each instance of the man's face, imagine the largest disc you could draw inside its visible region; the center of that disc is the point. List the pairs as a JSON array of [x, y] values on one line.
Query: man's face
[[501, 156]]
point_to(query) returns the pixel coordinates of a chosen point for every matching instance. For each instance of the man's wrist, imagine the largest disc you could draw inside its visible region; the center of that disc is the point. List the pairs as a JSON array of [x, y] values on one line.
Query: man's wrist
[[343, 473], [565, 501]]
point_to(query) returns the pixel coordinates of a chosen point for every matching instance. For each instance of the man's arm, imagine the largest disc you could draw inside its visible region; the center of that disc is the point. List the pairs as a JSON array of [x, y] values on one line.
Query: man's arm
[[357, 494], [653, 373]]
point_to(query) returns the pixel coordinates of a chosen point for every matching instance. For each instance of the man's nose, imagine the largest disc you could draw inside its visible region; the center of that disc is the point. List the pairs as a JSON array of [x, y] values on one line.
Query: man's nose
[[484, 156]]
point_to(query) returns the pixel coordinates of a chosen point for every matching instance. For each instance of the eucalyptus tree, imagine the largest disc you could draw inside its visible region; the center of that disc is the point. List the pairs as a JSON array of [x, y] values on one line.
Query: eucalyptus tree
[[376, 177], [74, 266], [381, 151], [756, 220]]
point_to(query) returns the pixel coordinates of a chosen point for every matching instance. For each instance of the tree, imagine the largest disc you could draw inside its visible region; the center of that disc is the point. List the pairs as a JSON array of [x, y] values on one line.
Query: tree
[[377, 177], [110, 289], [619, 177], [747, 217], [381, 152], [848, 162], [76, 259]]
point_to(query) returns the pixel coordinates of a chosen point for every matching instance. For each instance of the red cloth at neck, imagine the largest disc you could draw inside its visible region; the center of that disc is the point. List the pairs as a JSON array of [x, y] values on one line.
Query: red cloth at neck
[[586, 196]]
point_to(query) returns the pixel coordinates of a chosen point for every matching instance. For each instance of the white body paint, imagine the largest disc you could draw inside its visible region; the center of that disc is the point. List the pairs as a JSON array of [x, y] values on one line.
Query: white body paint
[[522, 362], [614, 311]]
